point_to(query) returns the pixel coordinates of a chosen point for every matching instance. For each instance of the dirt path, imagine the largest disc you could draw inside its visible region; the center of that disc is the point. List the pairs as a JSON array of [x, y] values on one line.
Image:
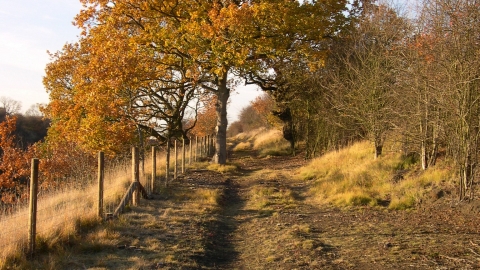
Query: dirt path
[[298, 235], [260, 218]]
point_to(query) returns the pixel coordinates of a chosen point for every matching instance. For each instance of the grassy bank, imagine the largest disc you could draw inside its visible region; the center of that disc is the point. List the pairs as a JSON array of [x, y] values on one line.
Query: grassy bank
[[351, 176]]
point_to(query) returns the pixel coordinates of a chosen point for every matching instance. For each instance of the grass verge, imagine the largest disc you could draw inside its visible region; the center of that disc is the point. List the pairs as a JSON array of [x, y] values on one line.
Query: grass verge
[[352, 177], [266, 142]]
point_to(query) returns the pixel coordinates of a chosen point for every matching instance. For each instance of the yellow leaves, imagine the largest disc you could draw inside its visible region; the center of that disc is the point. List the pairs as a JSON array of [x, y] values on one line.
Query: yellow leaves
[[206, 118], [92, 84]]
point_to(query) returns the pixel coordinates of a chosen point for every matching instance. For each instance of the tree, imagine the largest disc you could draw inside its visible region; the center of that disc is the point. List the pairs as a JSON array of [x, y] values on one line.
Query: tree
[[204, 122], [420, 122], [14, 165], [35, 110], [364, 85], [453, 26], [264, 105], [94, 120], [10, 106], [304, 103], [235, 128], [30, 130], [218, 39], [133, 93]]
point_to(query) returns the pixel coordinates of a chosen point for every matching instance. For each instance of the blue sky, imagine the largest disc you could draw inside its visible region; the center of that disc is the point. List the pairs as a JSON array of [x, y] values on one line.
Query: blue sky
[[30, 28]]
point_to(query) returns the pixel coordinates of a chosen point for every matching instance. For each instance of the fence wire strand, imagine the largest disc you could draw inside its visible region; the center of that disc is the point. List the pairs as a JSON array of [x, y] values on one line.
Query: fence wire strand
[[59, 211]]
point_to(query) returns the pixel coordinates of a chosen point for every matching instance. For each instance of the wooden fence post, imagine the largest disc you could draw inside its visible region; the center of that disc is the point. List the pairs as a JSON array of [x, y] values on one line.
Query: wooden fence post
[[190, 156], [154, 168], [175, 168], [183, 155], [214, 144], [135, 175], [210, 149], [204, 140], [196, 148], [32, 222], [101, 176], [208, 145], [167, 163]]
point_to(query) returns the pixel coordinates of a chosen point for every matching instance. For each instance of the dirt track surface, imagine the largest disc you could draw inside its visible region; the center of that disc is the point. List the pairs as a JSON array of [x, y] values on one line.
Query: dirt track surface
[[286, 233], [437, 236]]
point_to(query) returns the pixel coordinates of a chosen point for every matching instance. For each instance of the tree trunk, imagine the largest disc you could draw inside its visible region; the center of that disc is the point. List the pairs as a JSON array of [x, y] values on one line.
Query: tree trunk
[[378, 148], [167, 162], [433, 155], [223, 93], [423, 155]]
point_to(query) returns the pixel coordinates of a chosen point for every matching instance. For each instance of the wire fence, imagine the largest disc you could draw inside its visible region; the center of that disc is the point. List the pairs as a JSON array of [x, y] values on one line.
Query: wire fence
[[60, 211]]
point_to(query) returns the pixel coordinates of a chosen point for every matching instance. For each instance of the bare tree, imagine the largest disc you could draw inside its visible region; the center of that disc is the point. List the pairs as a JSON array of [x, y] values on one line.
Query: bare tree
[[34, 110], [363, 87], [453, 27], [11, 106]]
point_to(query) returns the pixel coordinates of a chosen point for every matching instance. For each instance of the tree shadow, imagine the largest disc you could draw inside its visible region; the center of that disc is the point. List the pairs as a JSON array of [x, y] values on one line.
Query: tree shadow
[[219, 247]]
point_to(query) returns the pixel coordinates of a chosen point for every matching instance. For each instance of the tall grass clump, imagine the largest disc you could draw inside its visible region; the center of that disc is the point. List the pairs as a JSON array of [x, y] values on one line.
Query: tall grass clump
[[244, 141], [415, 186], [222, 168], [271, 143], [242, 146], [268, 142], [351, 177]]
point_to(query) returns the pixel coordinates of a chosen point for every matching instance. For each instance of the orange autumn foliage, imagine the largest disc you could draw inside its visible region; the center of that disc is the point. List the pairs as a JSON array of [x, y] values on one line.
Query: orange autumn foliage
[[206, 118], [264, 105], [61, 160], [201, 44], [14, 162]]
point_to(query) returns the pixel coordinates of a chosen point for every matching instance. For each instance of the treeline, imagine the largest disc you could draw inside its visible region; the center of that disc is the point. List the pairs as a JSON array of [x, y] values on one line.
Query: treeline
[[29, 128], [23, 137], [258, 114], [415, 80], [18, 135]]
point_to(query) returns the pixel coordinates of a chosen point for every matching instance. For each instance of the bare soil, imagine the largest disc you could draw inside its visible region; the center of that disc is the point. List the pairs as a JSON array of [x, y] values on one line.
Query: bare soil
[[167, 233]]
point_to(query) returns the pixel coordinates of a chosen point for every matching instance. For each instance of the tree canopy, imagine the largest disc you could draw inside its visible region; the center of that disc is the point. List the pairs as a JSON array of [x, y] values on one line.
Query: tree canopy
[[133, 54]]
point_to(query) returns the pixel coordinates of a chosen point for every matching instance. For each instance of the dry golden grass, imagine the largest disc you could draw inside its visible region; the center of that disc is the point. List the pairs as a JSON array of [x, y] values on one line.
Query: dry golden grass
[[214, 167], [247, 136], [242, 146], [59, 217], [264, 194], [69, 232], [222, 168], [62, 213], [271, 143], [199, 199], [351, 176], [409, 191], [261, 198], [267, 138], [267, 175], [266, 142]]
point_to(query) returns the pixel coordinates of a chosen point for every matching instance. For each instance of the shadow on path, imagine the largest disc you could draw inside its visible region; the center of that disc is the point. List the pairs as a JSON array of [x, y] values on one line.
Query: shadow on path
[[219, 248]]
